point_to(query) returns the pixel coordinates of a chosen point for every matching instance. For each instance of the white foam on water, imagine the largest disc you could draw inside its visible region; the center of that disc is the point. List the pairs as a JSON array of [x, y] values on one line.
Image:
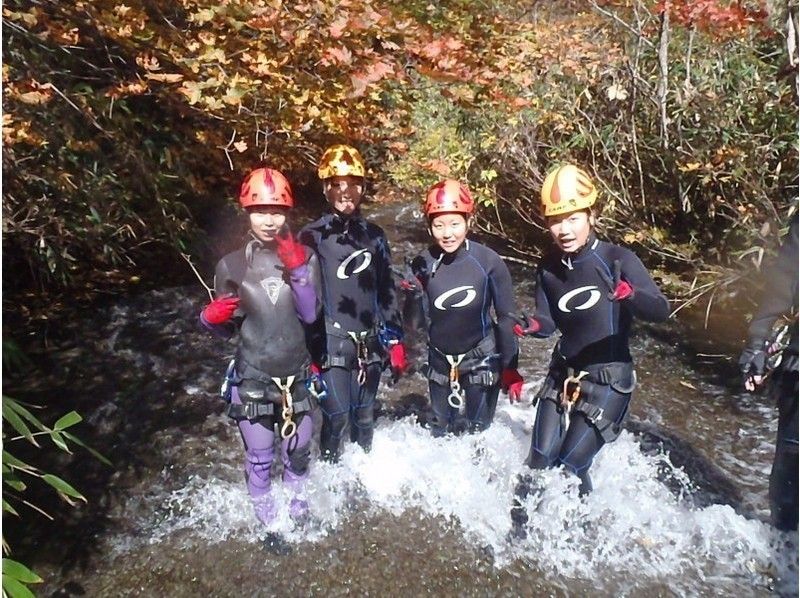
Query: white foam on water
[[631, 523]]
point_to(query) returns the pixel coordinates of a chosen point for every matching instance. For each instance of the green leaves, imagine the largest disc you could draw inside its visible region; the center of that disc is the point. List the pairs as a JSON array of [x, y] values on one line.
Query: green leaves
[[16, 576]]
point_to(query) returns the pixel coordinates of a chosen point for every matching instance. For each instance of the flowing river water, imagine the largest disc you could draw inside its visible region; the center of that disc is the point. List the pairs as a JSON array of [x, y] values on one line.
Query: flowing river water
[[679, 506]]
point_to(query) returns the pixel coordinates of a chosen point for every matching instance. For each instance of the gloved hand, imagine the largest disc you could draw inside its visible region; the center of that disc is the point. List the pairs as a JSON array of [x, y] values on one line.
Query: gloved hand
[[315, 369], [291, 253], [397, 358], [619, 289], [220, 310], [752, 363], [511, 382], [622, 291], [525, 326]]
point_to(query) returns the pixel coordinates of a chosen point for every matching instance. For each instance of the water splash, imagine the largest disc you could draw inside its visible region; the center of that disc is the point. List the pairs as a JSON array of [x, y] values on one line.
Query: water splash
[[632, 522]]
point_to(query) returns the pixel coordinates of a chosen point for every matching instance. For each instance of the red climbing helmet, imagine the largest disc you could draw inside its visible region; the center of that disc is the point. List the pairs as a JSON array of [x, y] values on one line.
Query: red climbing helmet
[[266, 187], [449, 196]]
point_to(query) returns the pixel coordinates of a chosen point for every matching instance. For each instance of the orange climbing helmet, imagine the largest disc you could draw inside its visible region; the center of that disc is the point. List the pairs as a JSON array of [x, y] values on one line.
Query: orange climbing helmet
[[449, 196], [266, 187], [341, 160], [566, 189]]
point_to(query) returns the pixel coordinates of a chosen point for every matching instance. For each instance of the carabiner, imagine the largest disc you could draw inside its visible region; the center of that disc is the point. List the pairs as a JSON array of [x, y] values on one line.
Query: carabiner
[[455, 399], [288, 428], [570, 396]]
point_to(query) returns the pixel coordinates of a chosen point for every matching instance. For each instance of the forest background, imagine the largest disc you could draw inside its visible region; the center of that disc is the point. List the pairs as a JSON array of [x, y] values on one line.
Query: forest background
[[128, 127]]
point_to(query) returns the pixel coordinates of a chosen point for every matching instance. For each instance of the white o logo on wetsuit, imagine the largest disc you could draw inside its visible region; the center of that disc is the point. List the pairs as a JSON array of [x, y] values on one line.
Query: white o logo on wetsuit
[[341, 273], [469, 295], [594, 297], [272, 286]]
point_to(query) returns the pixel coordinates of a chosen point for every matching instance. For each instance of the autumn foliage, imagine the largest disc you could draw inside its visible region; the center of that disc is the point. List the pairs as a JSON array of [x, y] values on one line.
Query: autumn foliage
[[128, 126]]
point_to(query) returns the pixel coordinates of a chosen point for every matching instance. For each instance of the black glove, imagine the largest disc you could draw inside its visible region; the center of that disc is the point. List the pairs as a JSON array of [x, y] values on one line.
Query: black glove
[[753, 360]]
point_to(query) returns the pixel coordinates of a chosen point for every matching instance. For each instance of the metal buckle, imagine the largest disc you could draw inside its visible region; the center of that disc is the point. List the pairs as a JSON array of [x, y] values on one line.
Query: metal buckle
[[289, 428], [597, 416], [570, 396]]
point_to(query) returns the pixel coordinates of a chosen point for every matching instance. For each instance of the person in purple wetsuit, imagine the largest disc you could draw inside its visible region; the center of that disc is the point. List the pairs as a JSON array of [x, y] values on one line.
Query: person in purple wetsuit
[[268, 292]]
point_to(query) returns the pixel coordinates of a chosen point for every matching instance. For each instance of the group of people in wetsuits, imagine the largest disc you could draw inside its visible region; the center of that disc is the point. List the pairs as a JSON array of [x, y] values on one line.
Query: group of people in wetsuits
[[318, 321]]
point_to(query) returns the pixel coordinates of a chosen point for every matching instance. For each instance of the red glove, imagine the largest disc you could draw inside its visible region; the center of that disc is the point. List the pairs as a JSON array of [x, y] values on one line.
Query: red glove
[[220, 310], [619, 289], [291, 253], [526, 326], [397, 358], [511, 382], [315, 369], [622, 291]]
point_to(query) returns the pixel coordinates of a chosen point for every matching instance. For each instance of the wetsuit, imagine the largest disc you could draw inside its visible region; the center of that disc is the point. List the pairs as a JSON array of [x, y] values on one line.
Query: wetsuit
[[361, 314], [780, 298], [461, 288], [274, 306], [573, 296]]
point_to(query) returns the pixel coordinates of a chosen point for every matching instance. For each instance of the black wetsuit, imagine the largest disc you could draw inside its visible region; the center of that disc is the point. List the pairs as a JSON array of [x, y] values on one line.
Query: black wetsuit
[[572, 296], [461, 288], [275, 307], [780, 298], [360, 302]]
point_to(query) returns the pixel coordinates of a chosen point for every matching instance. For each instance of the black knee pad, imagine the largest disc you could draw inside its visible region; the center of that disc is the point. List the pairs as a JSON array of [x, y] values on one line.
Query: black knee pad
[[299, 459]]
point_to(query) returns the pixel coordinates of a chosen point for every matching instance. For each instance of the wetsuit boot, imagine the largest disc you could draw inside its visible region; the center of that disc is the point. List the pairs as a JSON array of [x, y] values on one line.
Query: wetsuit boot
[[296, 455], [259, 454]]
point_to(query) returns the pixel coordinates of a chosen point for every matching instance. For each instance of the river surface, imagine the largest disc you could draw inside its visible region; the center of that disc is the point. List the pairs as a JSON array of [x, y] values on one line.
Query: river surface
[[679, 506]]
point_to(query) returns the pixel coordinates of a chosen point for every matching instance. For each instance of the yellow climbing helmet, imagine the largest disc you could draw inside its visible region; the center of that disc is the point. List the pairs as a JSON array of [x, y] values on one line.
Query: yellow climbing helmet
[[341, 160], [567, 189]]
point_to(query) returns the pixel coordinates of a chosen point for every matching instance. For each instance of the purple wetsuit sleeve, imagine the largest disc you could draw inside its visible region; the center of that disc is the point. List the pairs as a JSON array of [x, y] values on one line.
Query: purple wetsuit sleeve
[[303, 293]]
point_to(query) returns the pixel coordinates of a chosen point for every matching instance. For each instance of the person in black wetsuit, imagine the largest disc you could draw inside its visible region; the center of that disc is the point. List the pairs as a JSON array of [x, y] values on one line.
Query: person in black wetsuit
[[268, 290], [590, 291], [469, 355], [362, 319], [779, 299]]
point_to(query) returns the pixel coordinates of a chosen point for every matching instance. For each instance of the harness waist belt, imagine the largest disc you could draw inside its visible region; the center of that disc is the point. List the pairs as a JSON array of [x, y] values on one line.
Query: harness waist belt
[[245, 370], [334, 330], [486, 346], [251, 409]]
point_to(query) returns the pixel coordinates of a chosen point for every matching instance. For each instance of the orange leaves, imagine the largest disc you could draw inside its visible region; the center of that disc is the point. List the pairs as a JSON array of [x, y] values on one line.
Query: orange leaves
[[165, 77], [337, 56], [714, 16], [148, 62], [29, 92], [15, 131], [125, 88], [372, 74], [336, 29], [263, 21], [437, 166]]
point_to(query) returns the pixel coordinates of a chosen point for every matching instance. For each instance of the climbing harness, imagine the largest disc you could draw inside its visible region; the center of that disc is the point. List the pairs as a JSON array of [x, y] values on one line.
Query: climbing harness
[[289, 428], [362, 354], [456, 397]]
